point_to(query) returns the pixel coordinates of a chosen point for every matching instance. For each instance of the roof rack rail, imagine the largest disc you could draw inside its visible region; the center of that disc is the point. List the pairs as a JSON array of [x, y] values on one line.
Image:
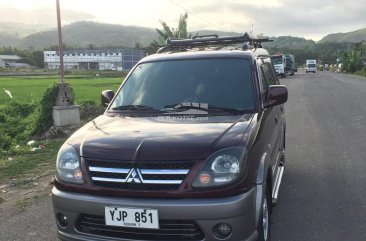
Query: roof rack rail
[[206, 40]]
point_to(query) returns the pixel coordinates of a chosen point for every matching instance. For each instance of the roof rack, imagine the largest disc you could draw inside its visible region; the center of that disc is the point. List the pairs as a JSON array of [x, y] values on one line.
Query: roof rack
[[213, 40]]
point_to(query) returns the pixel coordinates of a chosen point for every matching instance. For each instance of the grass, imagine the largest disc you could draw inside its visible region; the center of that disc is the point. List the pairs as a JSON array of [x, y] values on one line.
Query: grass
[[362, 72], [2, 200], [26, 162], [20, 162], [23, 203], [31, 88]]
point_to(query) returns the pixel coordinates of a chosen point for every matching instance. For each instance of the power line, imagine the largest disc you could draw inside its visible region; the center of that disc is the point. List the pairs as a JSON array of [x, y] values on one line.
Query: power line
[[180, 5]]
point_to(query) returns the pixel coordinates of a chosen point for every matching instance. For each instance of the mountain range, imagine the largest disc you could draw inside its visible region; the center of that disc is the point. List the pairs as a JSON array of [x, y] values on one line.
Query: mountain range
[[86, 34], [354, 36]]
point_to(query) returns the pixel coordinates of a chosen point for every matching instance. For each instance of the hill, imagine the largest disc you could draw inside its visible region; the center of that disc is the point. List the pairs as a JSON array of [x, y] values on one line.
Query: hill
[[289, 42], [84, 34], [352, 37], [12, 33], [8, 39], [20, 30]]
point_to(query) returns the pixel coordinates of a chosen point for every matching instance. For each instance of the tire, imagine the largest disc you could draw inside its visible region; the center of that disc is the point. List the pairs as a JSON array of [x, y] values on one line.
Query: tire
[[264, 227]]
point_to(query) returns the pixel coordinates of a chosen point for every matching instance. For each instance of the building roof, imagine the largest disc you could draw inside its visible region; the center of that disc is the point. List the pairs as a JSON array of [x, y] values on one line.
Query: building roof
[[10, 57], [19, 65]]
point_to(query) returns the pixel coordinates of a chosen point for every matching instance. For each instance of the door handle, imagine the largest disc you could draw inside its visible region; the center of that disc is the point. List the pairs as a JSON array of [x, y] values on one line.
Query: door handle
[[276, 119], [281, 108]]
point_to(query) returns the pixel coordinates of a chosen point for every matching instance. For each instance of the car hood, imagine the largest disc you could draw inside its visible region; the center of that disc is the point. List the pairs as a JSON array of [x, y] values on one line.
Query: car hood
[[150, 138]]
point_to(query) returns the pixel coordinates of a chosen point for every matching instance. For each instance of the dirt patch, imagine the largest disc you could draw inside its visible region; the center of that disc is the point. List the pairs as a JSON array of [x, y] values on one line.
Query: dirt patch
[[17, 194]]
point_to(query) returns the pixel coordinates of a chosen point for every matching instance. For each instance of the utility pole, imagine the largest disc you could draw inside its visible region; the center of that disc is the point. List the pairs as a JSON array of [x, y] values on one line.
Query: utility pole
[[64, 112], [60, 44]]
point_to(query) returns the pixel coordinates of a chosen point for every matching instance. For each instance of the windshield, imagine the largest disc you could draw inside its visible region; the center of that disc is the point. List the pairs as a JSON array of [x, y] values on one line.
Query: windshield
[[216, 82], [311, 65], [277, 59]]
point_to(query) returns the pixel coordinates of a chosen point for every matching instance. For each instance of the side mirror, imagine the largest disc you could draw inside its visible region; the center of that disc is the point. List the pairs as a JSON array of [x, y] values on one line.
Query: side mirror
[[106, 97], [276, 95]]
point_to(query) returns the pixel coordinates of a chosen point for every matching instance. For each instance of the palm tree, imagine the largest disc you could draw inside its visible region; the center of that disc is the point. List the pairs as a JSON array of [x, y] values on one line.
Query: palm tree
[[167, 32], [355, 61], [352, 61]]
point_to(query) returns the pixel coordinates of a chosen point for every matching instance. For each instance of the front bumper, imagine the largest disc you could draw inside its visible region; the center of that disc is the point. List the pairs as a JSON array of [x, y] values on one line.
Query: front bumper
[[240, 212]]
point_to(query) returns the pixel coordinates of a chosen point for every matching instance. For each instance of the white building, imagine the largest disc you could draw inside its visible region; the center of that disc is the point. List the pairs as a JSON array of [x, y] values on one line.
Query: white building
[[101, 59], [6, 60]]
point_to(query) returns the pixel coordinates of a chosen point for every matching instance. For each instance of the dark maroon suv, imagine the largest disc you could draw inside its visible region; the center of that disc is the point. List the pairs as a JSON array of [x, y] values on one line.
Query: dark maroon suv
[[191, 147]]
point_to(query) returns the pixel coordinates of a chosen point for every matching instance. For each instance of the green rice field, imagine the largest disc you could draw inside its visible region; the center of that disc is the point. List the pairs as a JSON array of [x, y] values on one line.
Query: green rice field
[[31, 88]]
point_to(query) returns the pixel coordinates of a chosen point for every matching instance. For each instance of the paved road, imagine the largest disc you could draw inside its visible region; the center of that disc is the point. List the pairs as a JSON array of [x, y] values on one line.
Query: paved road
[[35, 223], [323, 194]]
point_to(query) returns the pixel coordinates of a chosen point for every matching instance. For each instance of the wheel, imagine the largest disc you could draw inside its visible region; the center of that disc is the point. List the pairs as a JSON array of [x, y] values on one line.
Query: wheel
[[264, 227]]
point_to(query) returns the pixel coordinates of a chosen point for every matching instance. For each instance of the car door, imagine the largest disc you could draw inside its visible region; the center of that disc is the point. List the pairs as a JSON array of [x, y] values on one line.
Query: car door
[[274, 119]]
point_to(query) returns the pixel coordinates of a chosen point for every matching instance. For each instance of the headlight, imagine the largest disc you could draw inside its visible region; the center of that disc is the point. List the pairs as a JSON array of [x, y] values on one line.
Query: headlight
[[68, 165], [223, 167]]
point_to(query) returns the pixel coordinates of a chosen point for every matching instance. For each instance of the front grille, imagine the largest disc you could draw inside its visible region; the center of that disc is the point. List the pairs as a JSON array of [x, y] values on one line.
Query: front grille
[[164, 175], [169, 230]]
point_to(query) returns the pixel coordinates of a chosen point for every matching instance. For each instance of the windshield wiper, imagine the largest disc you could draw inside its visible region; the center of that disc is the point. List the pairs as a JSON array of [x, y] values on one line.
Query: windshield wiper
[[135, 108], [188, 106], [203, 107]]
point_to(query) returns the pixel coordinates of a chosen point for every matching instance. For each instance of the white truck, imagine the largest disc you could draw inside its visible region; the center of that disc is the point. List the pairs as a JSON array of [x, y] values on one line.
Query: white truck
[[279, 63], [310, 65]]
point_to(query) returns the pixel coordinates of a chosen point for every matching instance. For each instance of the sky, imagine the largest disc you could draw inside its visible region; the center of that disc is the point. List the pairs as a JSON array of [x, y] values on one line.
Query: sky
[[311, 19]]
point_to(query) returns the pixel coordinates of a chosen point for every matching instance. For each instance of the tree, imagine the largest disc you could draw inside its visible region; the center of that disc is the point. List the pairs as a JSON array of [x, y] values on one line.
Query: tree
[[91, 46], [352, 61], [167, 32], [137, 45], [355, 61]]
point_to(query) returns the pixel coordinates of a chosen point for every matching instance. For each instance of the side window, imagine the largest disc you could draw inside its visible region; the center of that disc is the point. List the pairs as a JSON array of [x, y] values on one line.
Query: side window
[[266, 81], [273, 74], [269, 78]]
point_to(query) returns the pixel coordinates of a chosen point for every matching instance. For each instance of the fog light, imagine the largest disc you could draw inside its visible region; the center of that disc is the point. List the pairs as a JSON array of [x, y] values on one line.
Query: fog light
[[62, 220], [224, 229]]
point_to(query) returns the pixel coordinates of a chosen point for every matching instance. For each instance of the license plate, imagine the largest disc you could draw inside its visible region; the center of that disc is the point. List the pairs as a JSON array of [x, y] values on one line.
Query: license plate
[[132, 217]]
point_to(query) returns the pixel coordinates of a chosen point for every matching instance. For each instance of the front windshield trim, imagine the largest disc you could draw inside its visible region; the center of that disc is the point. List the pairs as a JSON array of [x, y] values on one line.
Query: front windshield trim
[[167, 60]]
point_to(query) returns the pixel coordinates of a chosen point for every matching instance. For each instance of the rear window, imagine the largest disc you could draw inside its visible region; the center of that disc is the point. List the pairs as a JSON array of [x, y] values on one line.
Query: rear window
[[224, 82]]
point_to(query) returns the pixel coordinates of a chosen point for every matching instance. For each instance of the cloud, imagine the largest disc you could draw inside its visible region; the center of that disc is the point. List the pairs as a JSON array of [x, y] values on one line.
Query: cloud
[[303, 18], [311, 18], [42, 16]]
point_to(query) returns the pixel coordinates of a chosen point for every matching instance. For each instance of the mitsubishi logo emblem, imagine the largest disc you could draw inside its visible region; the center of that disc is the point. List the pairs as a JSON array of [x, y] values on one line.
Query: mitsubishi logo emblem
[[134, 176]]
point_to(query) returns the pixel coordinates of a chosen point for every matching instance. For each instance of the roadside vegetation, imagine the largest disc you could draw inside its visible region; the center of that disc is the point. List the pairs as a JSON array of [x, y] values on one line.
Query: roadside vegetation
[[31, 88], [362, 72], [351, 55], [22, 161], [352, 61], [26, 115]]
